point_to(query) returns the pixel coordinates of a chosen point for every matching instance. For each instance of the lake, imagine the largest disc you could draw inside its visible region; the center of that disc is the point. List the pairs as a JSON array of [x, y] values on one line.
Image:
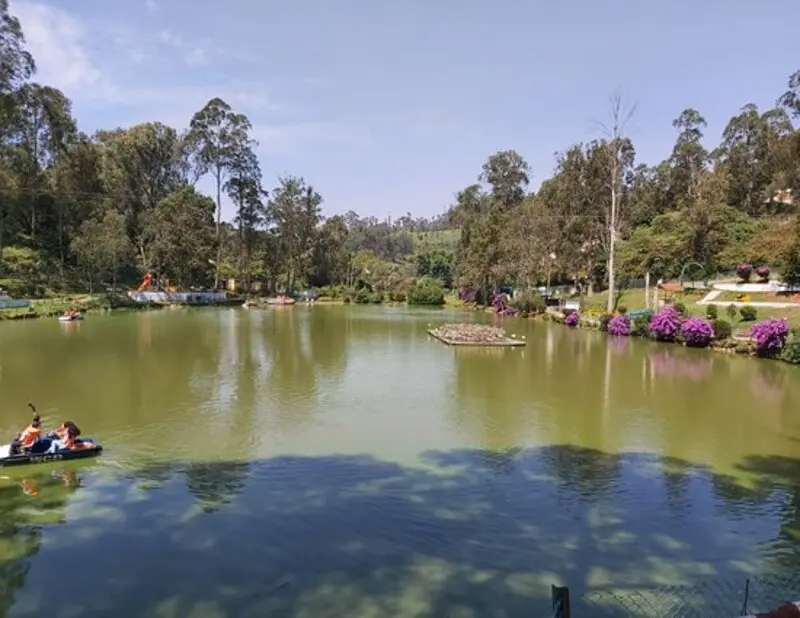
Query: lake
[[336, 461]]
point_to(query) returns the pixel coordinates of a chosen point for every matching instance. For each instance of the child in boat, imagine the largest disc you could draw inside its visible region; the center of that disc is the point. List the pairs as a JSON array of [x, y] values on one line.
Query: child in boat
[[28, 437]]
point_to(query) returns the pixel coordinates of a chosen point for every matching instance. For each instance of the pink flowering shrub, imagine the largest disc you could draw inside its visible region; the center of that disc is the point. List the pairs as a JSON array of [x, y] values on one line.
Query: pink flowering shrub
[[770, 336], [572, 319], [666, 323], [763, 273], [745, 271], [697, 332], [619, 325]]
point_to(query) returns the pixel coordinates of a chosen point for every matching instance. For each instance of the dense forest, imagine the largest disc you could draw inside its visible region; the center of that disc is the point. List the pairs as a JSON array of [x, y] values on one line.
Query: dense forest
[[84, 212]]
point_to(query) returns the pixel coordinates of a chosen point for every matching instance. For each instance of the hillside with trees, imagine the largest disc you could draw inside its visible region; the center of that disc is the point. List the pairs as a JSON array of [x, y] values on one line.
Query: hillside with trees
[[83, 212]]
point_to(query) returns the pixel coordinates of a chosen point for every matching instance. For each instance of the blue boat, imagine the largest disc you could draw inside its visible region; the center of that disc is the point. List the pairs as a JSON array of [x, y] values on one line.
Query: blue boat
[[38, 453]]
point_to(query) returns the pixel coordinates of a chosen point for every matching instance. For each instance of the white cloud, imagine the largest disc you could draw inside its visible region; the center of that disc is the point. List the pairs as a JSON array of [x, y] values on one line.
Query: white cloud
[[192, 55], [167, 38], [55, 39], [62, 47], [151, 6]]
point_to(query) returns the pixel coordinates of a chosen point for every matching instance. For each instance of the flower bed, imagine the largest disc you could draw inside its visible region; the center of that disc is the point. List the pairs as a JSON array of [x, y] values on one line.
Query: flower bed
[[768, 339]]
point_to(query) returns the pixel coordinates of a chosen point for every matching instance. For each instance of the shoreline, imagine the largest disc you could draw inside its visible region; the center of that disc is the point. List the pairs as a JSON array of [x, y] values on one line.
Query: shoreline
[[90, 305], [741, 346]]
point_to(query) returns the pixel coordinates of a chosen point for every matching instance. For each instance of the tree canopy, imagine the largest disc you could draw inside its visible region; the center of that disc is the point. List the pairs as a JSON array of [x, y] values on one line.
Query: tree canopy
[[81, 211]]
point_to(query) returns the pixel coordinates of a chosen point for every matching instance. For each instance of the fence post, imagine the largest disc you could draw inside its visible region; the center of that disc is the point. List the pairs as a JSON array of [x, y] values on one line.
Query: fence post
[[561, 607]]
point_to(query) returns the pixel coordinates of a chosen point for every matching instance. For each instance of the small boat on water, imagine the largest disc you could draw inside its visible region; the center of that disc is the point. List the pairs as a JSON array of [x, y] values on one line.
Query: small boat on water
[[281, 299], [70, 316], [38, 453], [249, 304]]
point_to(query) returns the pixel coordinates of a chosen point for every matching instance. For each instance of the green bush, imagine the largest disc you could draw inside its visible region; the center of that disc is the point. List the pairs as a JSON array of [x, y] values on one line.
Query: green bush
[[622, 310], [748, 313], [426, 291], [722, 329], [791, 352], [641, 326], [398, 296], [680, 308], [528, 303], [731, 310], [605, 318], [334, 292], [712, 312], [362, 297]]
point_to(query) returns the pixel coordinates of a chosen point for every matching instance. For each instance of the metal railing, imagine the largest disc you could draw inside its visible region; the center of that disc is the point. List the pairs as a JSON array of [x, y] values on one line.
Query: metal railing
[[706, 599]]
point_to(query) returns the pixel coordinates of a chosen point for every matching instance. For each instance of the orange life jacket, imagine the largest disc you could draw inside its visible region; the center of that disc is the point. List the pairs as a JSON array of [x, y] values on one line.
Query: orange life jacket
[[29, 436]]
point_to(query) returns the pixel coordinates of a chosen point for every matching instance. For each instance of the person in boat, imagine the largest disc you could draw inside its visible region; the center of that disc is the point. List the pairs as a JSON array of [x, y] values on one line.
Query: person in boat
[[66, 438], [28, 437]]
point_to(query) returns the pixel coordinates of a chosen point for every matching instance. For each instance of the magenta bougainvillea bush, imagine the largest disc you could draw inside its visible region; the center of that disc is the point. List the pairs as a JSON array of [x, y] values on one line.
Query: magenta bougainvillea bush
[[745, 271], [572, 319], [501, 307], [763, 273], [619, 325], [770, 336], [697, 332], [666, 323]]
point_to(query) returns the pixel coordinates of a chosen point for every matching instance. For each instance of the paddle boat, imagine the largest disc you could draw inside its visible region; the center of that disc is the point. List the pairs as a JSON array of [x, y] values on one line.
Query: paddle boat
[[38, 453], [281, 300], [70, 316]]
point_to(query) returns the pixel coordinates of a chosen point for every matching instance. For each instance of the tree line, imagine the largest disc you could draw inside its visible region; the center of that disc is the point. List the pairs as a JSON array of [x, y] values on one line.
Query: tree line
[[603, 218], [82, 211]]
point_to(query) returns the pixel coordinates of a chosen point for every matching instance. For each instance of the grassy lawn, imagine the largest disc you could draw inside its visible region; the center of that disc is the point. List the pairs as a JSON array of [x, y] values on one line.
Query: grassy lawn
[[634, 299], [759, 297]]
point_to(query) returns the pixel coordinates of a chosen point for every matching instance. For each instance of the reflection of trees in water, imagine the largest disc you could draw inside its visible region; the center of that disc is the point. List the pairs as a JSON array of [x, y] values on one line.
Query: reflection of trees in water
[[586, 471], [676, 476], [619, 345], [331, 535], [26, 506], [667, 363], [767, 381], [490, 384], [216, 484], [775, 478], [308, 345], [500, 461], [132, 381]]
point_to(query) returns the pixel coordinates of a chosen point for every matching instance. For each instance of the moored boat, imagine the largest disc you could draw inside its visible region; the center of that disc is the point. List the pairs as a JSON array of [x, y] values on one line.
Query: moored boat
[[39, 454], [281, 299], [70, 316]]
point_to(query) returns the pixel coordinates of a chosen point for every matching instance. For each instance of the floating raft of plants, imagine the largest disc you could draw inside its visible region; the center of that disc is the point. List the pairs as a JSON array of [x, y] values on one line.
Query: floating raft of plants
[[473, 335]]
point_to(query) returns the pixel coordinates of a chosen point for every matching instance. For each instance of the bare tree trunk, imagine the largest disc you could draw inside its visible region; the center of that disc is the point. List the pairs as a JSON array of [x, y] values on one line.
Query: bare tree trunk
[[612, 245], [620, 115], [218, 176]]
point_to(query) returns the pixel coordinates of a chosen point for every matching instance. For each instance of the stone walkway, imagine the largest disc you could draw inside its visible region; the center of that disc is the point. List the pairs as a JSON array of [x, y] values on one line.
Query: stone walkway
[[708, 299]]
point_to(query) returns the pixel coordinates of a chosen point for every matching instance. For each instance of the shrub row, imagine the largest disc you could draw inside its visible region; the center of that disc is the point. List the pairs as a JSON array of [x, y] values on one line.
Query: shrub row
[[770, 338]]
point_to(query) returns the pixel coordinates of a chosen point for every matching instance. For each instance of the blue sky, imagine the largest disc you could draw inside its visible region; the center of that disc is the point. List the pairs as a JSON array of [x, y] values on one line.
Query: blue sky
[[388, 107]]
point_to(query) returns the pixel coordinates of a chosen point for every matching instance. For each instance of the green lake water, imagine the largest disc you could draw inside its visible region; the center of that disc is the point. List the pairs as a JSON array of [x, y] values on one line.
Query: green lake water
[[337, 461]]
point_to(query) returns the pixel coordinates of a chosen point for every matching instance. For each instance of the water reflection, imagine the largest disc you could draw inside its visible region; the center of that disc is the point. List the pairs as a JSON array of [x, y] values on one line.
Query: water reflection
[[27, 505], [666, 363], [337, 535], [616, 393], [767, 381]]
